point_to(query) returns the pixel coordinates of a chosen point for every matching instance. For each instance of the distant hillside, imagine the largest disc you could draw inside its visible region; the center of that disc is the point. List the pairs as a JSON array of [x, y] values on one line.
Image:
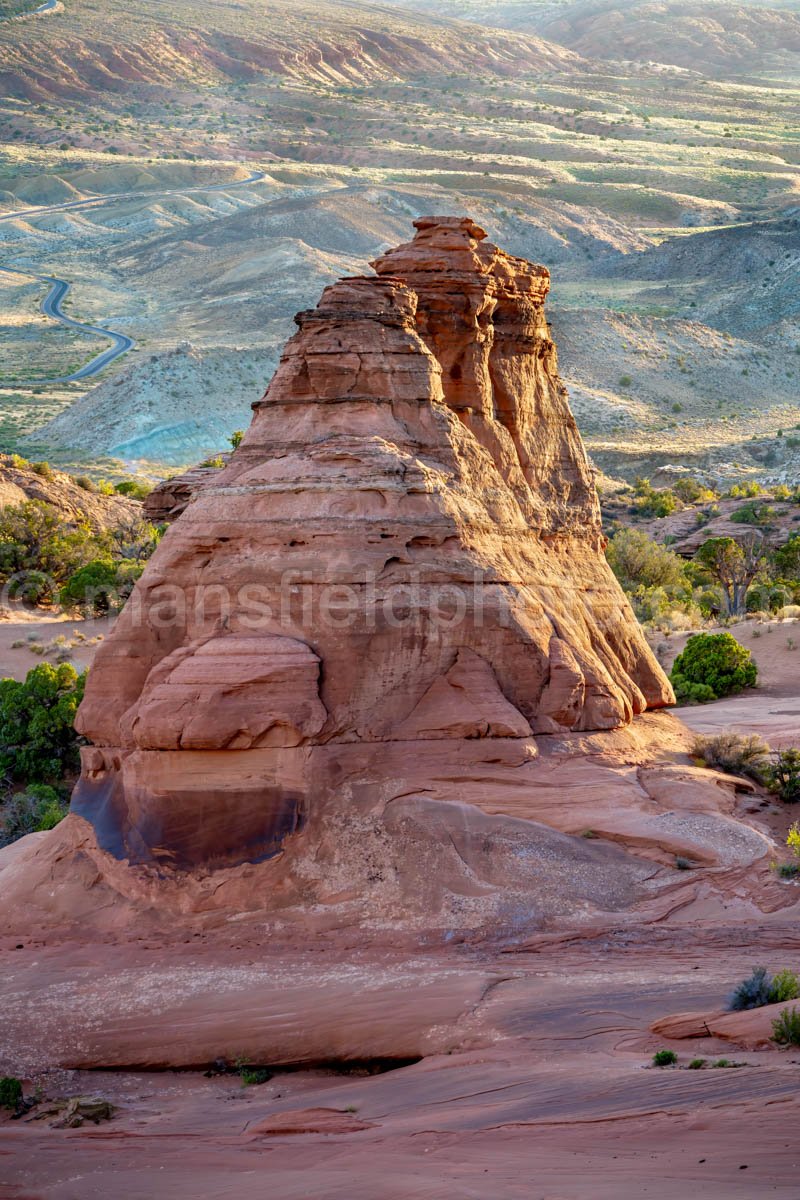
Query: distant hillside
[[683, 33], [744, 278], [89, 49]]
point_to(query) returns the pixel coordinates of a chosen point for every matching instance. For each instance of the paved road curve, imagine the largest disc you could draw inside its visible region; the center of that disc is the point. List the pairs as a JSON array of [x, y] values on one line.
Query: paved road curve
[[51, 305]]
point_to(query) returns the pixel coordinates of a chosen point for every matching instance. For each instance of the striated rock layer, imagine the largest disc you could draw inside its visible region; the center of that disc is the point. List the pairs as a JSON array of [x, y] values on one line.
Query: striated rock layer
[[405, 550]]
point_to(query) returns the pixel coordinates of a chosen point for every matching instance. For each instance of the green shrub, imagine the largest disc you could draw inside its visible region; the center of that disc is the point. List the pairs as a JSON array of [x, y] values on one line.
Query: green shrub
[[760, 989], [785, 986], [133, 488], [236, 438], [691, 491], [783, 775], [253, 1076], [786, 1027], [10, 1092], [664, 1058], [786, 558], [32, 587], [38, 549], [687, 692], [250, 1075], [38, 742], [657, 503], [35, 538], [43, 468], [753, 514], [84, 482], [93, 587], [37, 808], [636, 559], [697, 1064], [745, 490], [713, 661]]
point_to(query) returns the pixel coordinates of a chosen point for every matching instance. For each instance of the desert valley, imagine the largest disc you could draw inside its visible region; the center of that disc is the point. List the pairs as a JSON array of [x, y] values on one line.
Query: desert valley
[[400, 616]]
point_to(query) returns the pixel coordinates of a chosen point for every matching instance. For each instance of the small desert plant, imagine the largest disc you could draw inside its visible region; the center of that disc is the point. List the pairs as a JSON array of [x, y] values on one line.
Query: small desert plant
[[236, 438], [736, 753], [133, 488], [43, 468], [697, 1064], [788, 870], [10, 1092], [217, 462], [793, 839], [752, 992], [760, 988], [251, 1076], [664, 1058], [785, 986], [786, 1027], [682, 864], [783, 775]]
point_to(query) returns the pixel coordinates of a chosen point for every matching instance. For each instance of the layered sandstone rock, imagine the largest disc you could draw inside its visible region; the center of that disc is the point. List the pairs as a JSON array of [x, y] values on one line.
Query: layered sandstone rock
[[405, 549], [169, 498]]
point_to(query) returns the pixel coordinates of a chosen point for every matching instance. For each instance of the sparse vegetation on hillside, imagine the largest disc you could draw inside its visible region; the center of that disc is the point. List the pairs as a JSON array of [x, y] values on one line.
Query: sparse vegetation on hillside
[[42, 558], [644, 189]]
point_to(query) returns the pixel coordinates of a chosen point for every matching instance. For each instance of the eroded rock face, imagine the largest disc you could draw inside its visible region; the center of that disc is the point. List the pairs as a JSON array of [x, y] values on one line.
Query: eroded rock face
[[406, 548]]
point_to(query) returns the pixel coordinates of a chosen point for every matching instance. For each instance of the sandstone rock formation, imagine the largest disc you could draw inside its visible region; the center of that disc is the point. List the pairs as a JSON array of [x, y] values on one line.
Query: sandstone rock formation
[[406, 547], [372, 695], [169, 498]]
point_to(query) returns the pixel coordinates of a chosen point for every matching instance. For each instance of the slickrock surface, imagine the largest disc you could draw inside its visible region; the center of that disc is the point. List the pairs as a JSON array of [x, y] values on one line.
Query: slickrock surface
[[372, 779]]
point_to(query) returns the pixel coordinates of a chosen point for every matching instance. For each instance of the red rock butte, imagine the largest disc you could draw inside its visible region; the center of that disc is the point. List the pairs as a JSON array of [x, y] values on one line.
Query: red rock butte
[[372, 693], [402, 560]]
